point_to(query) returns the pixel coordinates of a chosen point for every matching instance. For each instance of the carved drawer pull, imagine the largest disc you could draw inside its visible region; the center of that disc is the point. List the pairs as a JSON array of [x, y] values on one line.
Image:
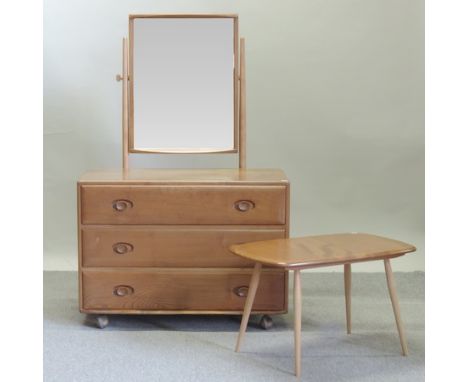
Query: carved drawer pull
[[241, 291], [244, 205], [122, 204], [123, 290], [122, 248]]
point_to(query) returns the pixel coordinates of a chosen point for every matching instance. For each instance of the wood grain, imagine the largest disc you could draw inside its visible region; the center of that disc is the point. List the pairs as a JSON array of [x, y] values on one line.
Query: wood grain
[[323, 250], [182, 15], [249, 303], [124, 104], [396, 306], [297, 321], [347, 287], [242, 109], [131, 111], [215, 312], [188, 248], [182, 205], [80, 248], [313, 251], [169, 289], [235, 75], [214, 176], [169, 246]]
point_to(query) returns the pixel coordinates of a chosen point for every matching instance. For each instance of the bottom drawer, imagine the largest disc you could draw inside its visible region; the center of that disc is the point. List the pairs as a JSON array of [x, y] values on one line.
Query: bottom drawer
[[180, 290]]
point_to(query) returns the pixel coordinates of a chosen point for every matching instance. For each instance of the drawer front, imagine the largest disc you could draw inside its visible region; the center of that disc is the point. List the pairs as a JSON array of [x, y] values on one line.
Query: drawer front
[[140, 246], [192, 290], [108, 204]]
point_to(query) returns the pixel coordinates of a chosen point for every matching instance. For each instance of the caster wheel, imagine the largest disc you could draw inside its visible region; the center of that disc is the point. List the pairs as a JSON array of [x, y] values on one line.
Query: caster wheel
[[99, 322], [266, 322], [102, 321]]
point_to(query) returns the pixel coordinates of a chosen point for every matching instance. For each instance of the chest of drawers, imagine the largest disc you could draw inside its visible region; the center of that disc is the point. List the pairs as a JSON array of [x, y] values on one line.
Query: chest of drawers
[[156, 241]]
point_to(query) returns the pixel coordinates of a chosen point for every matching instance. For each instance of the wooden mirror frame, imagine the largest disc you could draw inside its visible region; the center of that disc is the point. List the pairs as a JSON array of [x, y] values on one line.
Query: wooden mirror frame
[[128, 100]]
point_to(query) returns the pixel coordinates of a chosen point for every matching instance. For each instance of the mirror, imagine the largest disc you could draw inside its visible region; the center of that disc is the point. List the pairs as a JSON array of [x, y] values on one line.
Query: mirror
[[182, 84]]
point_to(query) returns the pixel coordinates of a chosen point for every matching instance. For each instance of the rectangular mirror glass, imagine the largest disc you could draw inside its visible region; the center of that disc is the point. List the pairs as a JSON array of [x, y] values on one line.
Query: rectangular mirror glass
[[183, 88]]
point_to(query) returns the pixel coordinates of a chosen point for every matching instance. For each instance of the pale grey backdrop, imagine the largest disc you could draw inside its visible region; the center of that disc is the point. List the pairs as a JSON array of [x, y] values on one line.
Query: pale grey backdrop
[[335, 98]]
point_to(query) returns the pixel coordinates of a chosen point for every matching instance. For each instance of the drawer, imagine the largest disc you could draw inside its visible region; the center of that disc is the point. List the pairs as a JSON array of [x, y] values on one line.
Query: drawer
[[180, 290], [115, 204], [168, 246]]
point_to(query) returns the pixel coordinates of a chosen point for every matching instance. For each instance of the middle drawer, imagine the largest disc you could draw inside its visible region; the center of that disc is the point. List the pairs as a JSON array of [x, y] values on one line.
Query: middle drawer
[[181, 246]]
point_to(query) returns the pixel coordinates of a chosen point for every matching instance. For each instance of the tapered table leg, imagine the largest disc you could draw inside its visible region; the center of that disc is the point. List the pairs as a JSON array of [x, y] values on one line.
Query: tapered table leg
[[297, 320], [249, 303], [396, 305], [347, 284]]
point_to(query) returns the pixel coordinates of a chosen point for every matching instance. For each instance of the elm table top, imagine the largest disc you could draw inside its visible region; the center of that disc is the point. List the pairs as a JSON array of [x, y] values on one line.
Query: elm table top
[[323, 250]]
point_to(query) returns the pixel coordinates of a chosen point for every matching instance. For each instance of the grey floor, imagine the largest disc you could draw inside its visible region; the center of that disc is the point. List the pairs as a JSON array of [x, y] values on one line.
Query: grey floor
[[200, 348]]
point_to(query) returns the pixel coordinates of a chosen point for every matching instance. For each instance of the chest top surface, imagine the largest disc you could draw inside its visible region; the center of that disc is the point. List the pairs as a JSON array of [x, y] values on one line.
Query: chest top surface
[[184, 176]]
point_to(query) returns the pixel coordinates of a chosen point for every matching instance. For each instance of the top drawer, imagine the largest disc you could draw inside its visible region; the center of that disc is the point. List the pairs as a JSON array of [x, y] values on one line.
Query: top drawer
[[114, 204]]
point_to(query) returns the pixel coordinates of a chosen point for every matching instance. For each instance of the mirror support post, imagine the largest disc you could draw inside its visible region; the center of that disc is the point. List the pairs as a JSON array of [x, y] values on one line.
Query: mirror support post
[[242, 108], [124, 78]]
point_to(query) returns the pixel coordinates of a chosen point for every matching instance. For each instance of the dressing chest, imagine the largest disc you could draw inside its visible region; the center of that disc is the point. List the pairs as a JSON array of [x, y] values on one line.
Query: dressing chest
[[156, 241]]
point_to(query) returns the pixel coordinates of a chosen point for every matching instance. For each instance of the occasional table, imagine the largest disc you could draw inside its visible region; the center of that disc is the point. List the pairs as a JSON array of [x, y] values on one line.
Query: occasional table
[[318, 251]]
